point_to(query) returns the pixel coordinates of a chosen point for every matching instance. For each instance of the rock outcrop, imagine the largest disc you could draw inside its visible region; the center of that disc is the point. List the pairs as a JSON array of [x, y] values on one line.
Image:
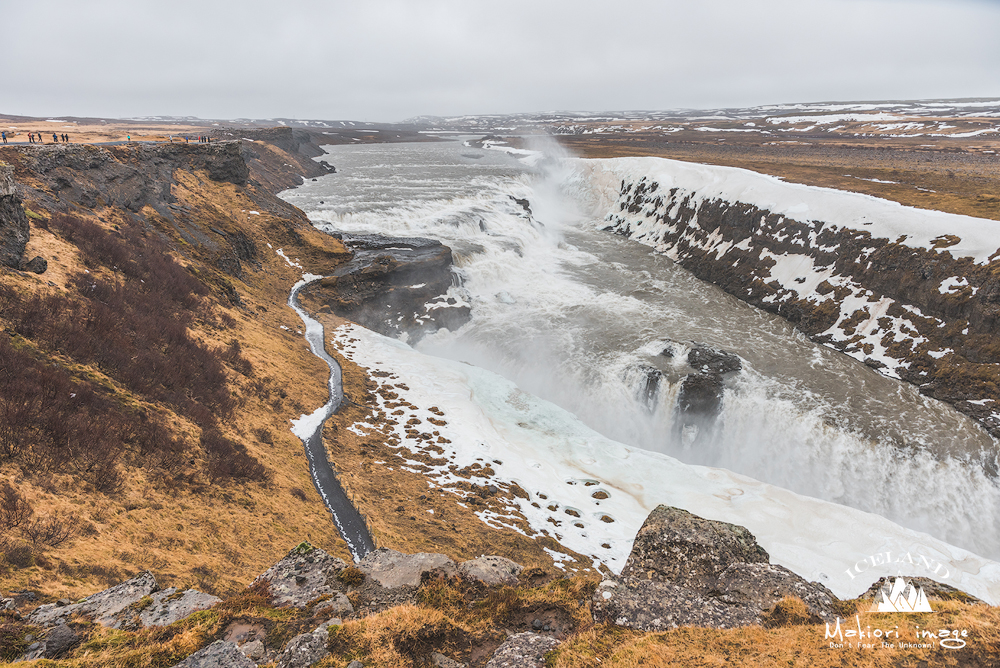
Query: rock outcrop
[[686, 570], [302, 576], [104, 607], [394, 286], [14, 227]]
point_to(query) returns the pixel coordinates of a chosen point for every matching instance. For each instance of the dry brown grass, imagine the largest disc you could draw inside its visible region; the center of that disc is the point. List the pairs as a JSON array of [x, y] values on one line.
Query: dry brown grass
[[215, 538], [396, 501], [967, 187], [794, 645]]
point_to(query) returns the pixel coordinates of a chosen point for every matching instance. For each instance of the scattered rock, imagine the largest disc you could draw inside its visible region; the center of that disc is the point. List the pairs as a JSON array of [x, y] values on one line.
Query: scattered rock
[[393, 569], [7, 604], [355, 664], [302, 576], [56, 642], [36, 265], [686, 570], [524, 650], [220, 654], [491, 570], [305, 649], [705, 358], [103, 607]]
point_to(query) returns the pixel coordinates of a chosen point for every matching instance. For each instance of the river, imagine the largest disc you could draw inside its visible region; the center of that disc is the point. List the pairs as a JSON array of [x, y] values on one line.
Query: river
[[577, 316]]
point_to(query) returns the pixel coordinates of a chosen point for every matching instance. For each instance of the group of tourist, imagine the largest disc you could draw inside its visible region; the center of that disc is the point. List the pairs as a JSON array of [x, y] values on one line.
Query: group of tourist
[[36, 137]]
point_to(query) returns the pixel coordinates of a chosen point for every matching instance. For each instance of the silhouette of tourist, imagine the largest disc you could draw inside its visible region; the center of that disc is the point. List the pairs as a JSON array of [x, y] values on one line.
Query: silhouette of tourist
[[4, 137]]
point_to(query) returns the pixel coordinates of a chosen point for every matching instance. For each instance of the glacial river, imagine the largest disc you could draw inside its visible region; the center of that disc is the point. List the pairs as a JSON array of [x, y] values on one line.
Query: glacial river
[[578, 316]]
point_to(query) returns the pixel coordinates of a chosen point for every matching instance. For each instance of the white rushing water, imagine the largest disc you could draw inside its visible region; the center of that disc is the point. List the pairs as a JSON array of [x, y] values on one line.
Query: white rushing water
[[574, 315]]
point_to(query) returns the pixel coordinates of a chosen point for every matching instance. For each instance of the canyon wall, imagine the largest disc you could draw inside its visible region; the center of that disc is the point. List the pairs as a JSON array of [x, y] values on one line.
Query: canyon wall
[[912, 293]]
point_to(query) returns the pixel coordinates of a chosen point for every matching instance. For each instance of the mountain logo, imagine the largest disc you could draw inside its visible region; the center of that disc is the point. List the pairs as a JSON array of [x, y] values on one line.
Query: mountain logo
[[903, 597]]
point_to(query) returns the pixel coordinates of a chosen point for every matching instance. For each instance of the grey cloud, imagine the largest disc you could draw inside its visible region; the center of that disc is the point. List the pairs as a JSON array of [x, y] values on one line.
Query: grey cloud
[[384, 60]]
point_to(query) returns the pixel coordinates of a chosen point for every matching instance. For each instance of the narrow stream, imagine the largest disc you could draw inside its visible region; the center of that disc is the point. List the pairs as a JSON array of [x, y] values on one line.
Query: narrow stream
[[309, 428]]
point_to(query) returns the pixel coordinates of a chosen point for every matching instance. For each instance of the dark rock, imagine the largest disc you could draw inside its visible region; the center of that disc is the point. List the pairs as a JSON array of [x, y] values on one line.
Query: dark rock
[[674, 545], [393, 285], [59, 640], [523, 203], [524, 650], [220, 654], [684, 569], [700, 395], [14, 227], [649, 388], [706, 358], [537, 624]]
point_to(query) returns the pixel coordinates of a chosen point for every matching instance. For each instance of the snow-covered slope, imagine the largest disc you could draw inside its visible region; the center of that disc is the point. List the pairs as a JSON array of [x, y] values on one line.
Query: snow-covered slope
[[592, 494]]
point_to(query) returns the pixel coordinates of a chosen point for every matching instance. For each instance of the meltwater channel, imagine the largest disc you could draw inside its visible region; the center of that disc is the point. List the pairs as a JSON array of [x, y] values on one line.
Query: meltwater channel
[[575, 315]]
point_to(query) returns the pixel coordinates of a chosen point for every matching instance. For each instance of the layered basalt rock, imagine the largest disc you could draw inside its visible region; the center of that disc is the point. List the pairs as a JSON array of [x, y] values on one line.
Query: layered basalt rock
[[919, 314], [398, 287]]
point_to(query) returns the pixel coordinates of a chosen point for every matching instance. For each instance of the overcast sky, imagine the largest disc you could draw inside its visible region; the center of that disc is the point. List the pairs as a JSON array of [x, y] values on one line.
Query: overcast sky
[[383, 60]]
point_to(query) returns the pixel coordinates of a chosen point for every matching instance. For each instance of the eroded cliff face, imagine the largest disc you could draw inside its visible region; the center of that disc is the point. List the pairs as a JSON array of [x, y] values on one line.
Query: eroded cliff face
[[914, 294], [14, 227]]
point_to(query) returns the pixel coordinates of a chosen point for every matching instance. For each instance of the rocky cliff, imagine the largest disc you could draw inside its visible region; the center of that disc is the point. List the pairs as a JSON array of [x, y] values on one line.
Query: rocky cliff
[[14, 228], [914, 294]]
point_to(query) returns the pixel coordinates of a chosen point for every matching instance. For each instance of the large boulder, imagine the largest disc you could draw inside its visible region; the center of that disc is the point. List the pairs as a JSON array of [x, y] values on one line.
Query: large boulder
[[103, 607], [676, 546], [524, 650], [392, 569], [302, 576], [687, 570]]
